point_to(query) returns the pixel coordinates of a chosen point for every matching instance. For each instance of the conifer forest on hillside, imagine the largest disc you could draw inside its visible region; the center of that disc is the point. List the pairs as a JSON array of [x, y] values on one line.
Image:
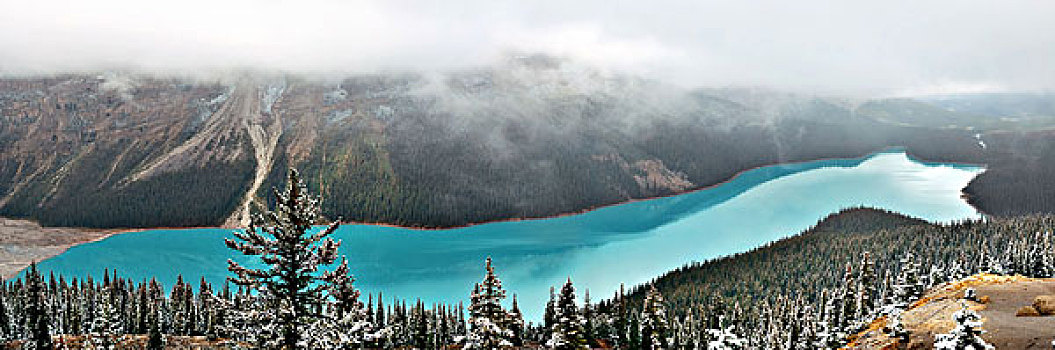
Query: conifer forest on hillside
[[303, 296]]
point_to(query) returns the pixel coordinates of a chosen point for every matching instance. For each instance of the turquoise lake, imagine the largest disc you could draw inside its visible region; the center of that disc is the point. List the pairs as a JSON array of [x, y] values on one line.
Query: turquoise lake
[[627, 243]]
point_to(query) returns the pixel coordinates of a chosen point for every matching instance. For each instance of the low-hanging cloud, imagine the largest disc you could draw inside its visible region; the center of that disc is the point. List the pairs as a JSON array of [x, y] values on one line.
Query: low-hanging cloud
[[882, 47]]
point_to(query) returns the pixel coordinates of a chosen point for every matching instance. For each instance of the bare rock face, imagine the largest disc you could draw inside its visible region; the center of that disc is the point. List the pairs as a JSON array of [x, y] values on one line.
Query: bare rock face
[[1045, 304], [1027, 311]]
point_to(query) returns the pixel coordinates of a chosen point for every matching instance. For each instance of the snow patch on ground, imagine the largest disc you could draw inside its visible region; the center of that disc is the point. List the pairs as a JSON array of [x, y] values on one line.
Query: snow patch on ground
[[335, 96], [271, 94], [124, 85], [336, 116]]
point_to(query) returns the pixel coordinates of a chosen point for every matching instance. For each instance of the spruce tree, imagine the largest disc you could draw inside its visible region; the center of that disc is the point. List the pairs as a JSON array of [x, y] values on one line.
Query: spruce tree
[[589, 328], [37, 319], [634, 335], [5, 322], [966, 335], [568, 331], [106, 327], [488, 329], [347, 322], [515, 321], [155, 340], [621, 323], [866, 282], [655, 332], [908, 286], [142, 319], [848, 311], [290, 285], [420, 326], [549, 315]]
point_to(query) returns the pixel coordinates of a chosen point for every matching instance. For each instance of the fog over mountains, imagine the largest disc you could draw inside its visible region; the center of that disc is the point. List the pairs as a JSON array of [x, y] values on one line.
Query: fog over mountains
[[123, 114], [532, 136], [834, 48]]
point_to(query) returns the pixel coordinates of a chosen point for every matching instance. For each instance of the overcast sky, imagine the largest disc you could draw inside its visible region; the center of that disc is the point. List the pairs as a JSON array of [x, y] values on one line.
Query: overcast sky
[[851, 47]]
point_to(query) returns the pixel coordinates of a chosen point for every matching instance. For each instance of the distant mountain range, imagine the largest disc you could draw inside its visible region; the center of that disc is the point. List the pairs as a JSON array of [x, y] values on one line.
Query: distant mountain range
[[533, 137]]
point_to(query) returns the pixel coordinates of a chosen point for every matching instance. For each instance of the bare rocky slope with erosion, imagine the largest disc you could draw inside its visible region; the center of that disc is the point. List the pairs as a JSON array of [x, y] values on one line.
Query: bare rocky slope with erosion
[[531, 137]]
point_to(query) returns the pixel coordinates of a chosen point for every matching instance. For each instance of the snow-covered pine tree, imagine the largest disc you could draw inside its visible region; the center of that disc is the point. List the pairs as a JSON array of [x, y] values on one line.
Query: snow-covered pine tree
[[379, 316], [461, 326], [886, 295], [291, 284], [208, 314], [183, 315], [958, 268], [621, 323], [5, 322], [966, 336], [567, 331], [107, 327], [848, 296], [908, 286], [515, 321], [140, 323], [866, 282], [723, 338], [939, 273], [1039, 258], [633, 336], [1046, 255], [693, 330], [589, 327], [988, 262], [54, 305], [155, 340], [800, 325], [35, 310], [679, 337], [347, 321], [549, 316], [655, 332], [420, 326], [895, 329], [810, 332], [487, 317], [827, 335]]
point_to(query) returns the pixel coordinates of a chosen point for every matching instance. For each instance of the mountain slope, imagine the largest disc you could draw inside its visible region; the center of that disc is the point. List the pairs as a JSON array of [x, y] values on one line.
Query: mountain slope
[[527, 138], [89, 151], [802, 264]]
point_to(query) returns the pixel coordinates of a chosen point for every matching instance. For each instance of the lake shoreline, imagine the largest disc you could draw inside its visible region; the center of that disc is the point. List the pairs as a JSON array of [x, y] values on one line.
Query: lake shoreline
[[25, 241], [106, 233]]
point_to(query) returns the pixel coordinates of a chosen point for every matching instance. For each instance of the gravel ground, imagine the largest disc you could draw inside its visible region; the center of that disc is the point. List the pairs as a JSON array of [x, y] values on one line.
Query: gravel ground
[[22, 242]]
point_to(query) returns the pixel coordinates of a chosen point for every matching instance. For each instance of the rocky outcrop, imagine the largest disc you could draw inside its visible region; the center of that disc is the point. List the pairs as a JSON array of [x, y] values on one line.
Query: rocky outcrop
[[1006, 329], [1027, 311], [1044, 304]]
